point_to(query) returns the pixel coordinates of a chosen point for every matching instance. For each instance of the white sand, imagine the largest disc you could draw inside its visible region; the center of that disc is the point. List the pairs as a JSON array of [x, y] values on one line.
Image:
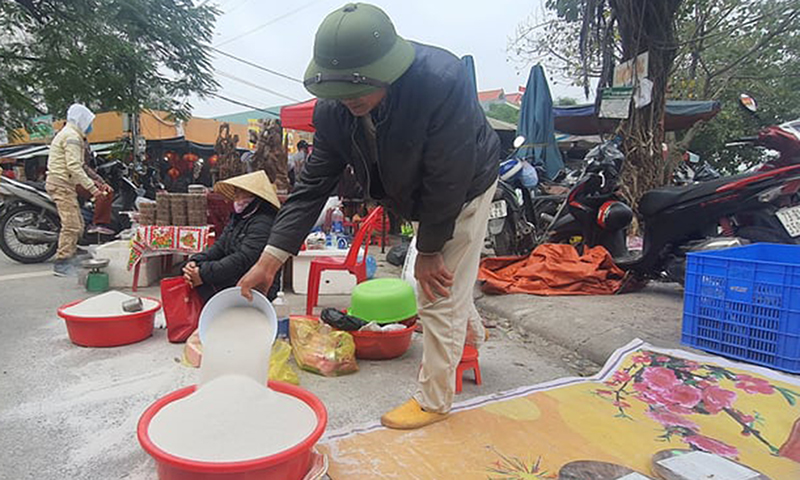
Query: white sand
[[237, 341], [233, 416], [107, 304]]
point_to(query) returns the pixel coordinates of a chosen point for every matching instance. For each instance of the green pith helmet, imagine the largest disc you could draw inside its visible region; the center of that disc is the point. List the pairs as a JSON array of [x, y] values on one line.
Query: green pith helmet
[[356, 51]]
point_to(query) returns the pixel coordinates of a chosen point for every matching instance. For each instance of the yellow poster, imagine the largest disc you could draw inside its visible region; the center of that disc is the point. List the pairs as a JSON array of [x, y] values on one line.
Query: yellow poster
[[644, 401]]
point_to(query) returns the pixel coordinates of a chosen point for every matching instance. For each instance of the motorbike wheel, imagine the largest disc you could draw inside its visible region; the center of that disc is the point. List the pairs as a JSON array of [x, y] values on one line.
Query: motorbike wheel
[[766, 235], [26, 215], [503, 243]]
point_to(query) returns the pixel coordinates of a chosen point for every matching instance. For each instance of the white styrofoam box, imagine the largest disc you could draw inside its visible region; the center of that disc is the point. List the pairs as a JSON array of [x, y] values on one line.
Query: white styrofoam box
[[332, 282], [119, 276]]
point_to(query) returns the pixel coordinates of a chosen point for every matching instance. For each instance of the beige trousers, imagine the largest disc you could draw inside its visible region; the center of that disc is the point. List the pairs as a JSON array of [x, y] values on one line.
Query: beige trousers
[[69, 212], [449, 323]]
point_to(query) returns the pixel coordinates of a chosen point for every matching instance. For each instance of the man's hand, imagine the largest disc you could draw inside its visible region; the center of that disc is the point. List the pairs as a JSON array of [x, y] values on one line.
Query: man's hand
[[260, 277], [191, 272], [433, 276]]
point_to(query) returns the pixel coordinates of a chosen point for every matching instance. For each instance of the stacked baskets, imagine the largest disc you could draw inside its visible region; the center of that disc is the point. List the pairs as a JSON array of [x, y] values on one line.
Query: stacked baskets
[[179, 209]]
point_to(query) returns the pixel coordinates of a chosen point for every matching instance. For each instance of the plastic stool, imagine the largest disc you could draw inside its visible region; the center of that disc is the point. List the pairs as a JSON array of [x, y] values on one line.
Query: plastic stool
[[469, 361]]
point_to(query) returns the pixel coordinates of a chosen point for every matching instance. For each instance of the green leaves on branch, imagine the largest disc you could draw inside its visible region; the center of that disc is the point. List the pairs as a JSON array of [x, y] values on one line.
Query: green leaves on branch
[[110, 54]]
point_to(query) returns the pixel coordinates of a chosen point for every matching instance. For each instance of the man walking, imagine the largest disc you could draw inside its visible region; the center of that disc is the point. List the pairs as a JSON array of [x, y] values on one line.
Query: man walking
[[404, 116], [64, 173]]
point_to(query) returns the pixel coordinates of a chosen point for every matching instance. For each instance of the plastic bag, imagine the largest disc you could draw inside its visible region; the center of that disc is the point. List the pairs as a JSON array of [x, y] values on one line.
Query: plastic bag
[[182, 305], [279, 368], [320, 349], [408, 265], [341, 321]]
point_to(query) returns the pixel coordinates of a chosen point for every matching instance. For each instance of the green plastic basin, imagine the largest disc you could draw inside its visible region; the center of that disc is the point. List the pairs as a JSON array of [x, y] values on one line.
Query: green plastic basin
[[383, 300]]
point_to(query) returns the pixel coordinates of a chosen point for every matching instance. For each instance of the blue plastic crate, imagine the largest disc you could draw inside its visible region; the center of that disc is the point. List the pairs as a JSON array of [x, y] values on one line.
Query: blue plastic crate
[[744, 303]]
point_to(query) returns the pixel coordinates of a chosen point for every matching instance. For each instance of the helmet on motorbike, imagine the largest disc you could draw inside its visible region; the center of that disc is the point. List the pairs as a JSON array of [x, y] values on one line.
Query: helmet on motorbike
[[614, 215], [509, 169], [356, 52]]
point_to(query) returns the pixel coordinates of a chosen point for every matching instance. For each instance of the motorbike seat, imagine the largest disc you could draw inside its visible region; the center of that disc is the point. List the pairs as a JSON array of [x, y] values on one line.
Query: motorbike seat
[[37, 185], [662, 198]]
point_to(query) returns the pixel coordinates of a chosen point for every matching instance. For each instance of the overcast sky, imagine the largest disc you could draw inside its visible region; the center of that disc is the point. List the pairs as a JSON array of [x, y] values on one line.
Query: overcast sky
[[479, 28]]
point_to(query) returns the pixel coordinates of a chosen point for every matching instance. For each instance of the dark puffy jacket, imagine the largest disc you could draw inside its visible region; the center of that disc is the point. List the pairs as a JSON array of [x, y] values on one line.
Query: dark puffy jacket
[[237, 249], [436, 152]]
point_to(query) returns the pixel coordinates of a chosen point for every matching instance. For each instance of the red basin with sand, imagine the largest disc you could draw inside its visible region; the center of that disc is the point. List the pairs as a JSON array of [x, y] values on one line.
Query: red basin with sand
[[109, 331], [291, 464]]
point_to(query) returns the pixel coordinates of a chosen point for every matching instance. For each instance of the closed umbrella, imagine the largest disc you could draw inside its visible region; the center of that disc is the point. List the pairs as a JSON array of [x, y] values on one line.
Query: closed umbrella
[[469, 66], [536, 125]]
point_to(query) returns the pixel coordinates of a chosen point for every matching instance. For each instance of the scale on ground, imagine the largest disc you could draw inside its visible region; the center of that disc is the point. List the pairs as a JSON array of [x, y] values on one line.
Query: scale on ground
[[96, 279]]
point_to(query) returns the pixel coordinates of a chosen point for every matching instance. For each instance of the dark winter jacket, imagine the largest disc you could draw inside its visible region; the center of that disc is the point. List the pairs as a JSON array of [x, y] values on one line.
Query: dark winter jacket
[[436, 152], [238, 248]]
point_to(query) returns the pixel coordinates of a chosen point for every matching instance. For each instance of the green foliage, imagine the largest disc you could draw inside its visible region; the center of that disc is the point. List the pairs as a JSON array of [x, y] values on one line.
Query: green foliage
[[724, 48], [566, 102], [733, 47], [503, 112], [109, 54]]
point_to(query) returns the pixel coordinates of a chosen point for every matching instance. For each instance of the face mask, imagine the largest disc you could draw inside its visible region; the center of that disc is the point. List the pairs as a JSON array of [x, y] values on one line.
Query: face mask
[[240, 205], [89, 130]]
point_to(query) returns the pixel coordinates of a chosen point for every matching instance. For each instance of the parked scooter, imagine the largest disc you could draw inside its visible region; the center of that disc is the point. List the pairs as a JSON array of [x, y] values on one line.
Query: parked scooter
[[752, 207], [29, 222], [511, 229]]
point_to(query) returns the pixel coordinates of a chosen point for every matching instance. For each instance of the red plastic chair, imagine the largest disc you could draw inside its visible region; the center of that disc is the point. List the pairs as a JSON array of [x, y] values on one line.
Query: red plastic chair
[[469, 361], [349, 263]]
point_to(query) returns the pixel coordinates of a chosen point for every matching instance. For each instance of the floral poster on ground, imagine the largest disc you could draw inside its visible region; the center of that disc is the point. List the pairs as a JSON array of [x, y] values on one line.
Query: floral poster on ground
[[645, 400]]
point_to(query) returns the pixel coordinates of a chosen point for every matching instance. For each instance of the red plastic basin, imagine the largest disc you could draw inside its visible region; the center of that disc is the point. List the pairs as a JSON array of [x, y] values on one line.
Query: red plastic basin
[[109, 331], [383, 345], [291, 464]]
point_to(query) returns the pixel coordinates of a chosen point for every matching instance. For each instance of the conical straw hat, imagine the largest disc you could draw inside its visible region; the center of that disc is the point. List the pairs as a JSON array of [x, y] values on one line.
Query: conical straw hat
[[256, 183]]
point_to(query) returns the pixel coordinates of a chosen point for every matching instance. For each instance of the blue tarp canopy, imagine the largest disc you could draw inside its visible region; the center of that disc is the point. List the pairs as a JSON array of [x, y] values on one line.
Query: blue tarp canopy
[[680, 115], [536, 125]]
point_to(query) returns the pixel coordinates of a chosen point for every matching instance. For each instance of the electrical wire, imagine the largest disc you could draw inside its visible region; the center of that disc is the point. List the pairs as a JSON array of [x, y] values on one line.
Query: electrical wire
[[268, 23], [253, 85], [255, 65], [241, 104]]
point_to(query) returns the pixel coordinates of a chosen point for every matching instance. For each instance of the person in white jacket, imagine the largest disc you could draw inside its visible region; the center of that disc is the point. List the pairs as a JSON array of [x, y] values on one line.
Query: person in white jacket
[[64, 173]]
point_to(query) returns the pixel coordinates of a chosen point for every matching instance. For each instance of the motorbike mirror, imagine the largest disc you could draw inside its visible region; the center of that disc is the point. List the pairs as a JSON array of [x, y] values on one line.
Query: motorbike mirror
[[748, 102], [519, 141]]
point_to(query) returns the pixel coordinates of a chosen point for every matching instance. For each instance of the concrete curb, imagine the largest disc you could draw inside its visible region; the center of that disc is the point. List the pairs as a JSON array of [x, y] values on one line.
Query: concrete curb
[[594, 326]]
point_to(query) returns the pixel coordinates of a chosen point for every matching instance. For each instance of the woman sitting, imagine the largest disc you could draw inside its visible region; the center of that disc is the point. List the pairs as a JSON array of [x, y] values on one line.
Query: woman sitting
[[255, 205]]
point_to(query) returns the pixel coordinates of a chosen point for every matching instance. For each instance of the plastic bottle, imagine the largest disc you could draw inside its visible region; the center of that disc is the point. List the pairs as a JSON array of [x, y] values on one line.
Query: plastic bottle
[[337, 221], [282, 311]]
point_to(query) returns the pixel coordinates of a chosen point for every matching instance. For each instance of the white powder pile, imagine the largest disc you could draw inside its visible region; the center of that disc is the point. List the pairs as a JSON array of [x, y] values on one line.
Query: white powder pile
[[107, 304], [233, 416], [237, 341]]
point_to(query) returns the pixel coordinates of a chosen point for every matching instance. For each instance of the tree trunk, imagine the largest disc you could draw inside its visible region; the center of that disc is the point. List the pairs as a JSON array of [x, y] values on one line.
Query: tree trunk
[[647, 26]]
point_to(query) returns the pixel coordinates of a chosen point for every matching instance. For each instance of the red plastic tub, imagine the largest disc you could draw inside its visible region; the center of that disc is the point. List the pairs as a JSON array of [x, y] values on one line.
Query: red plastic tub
[[109, 331], [384, 345], [291, 464]]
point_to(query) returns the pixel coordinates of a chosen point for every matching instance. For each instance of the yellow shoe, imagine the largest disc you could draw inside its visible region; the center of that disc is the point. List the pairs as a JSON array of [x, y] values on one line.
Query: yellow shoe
[[409, 416]]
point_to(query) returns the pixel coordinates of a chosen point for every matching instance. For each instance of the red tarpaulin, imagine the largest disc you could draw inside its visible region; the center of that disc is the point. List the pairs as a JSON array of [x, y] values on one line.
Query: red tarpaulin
[[299, 116], [553, 269]]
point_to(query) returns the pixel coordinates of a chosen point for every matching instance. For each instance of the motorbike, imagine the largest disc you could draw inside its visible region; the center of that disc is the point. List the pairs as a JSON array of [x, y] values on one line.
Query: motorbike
[[29, 222], [784, 139], [751, 207], [511, 229]]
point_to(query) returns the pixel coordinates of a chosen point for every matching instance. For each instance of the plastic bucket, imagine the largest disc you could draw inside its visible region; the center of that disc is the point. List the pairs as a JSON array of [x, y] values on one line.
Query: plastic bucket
[[109, 331], [230, 298], [383, 345], [291, 464]]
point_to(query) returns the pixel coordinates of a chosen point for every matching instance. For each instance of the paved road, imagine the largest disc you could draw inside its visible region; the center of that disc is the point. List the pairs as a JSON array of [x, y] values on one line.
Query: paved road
[[68, 412]]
